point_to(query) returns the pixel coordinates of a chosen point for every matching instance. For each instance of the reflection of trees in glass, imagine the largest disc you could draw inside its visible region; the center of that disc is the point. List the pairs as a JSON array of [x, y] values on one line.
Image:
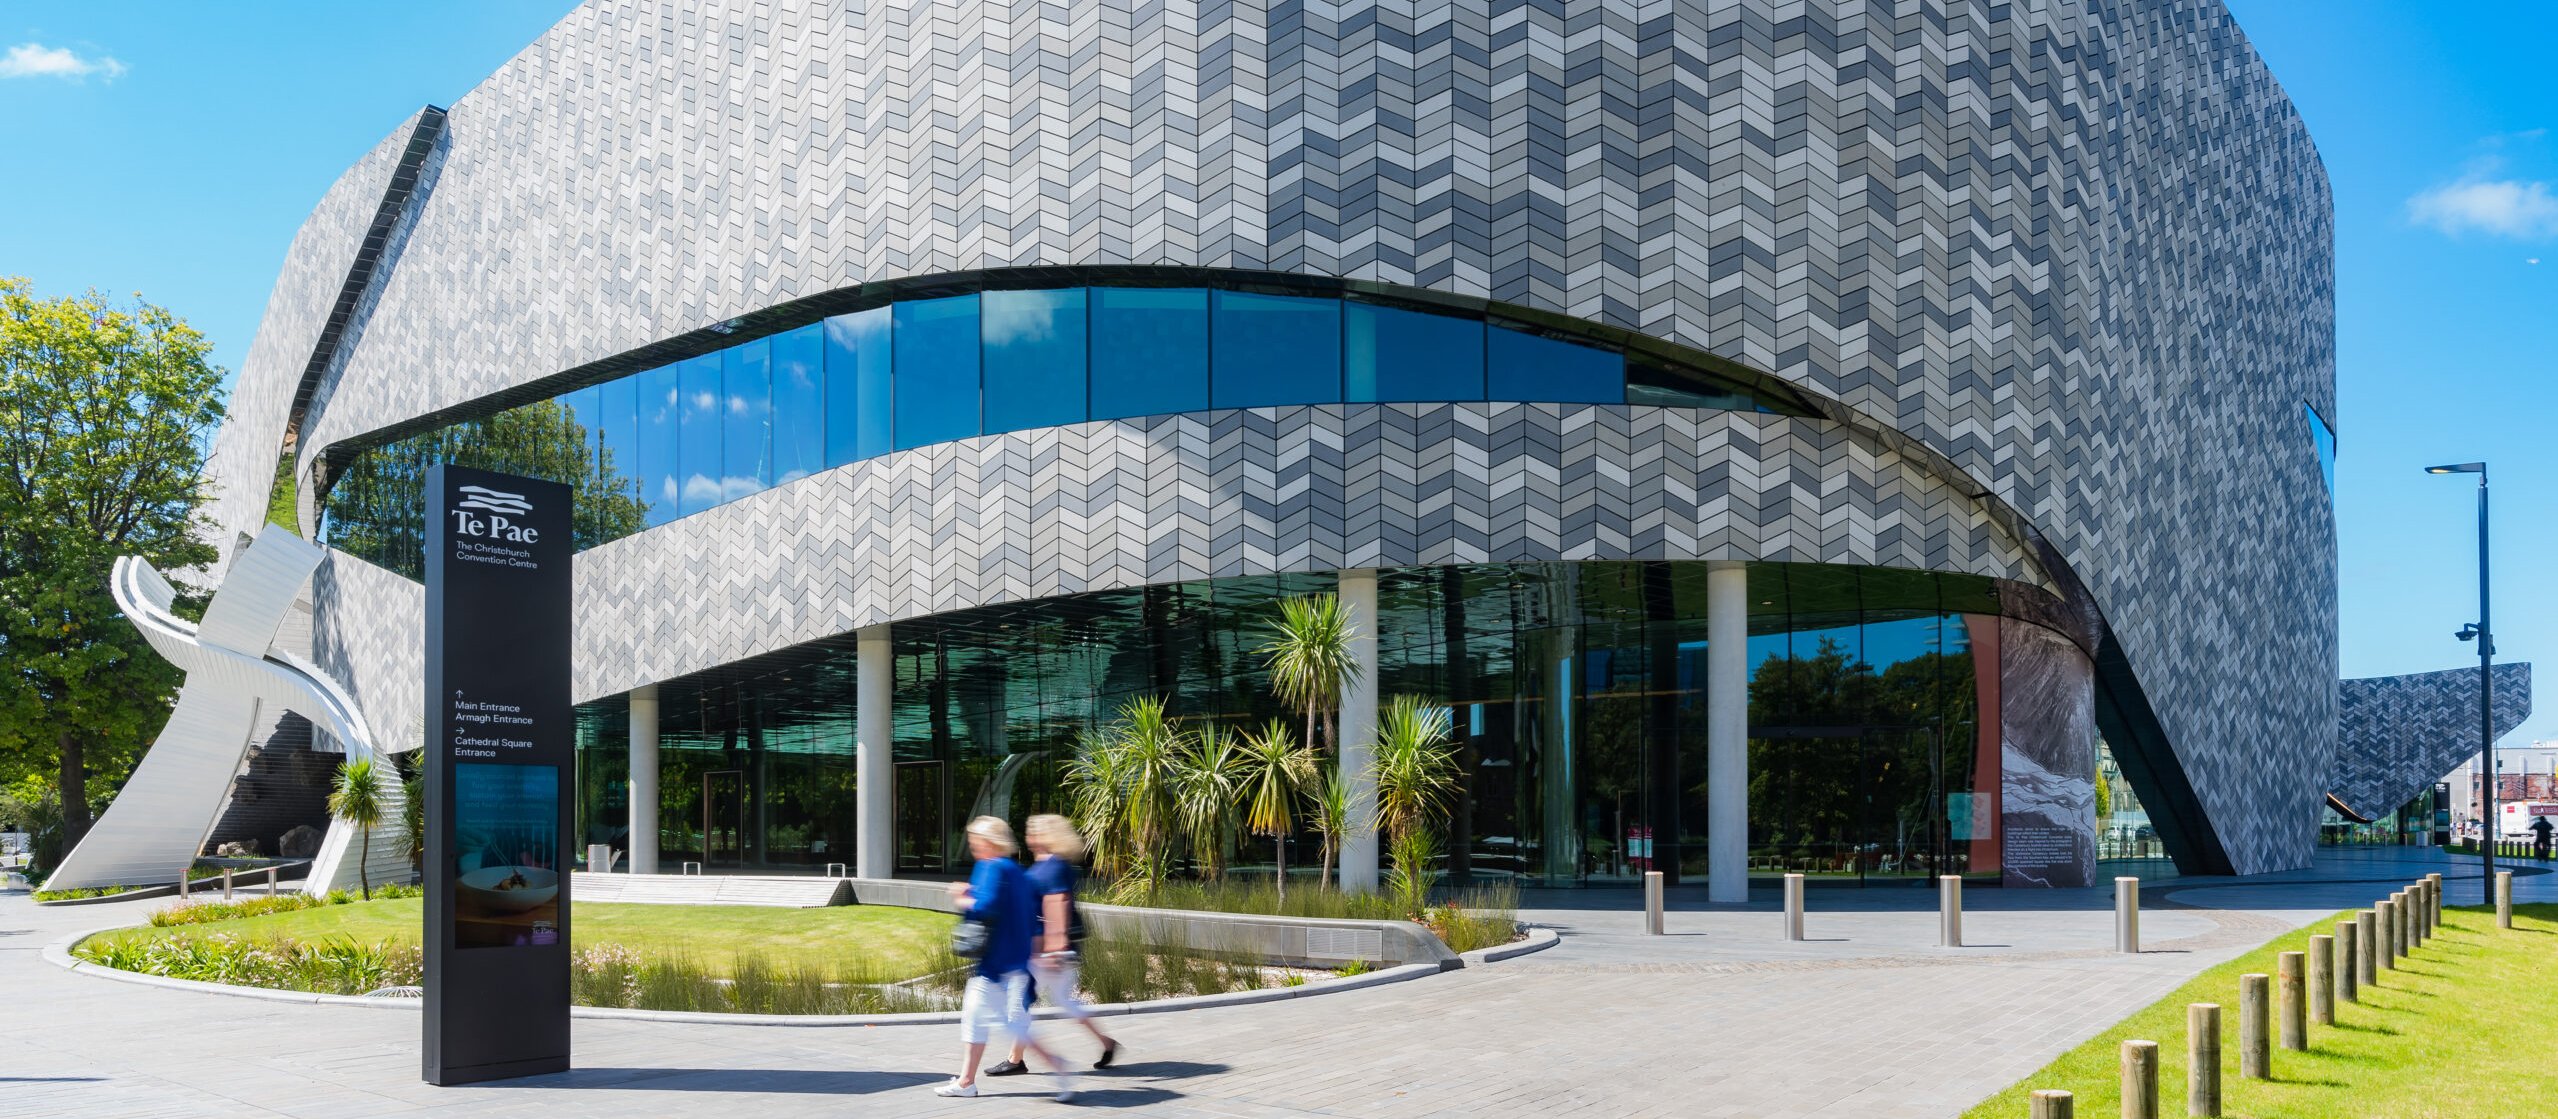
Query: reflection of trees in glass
[[1877, 787], [376, 507]]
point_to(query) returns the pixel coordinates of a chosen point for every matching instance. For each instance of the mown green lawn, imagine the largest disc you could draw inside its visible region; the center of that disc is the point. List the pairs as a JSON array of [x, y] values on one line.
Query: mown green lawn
[[907, 940], [2463, 1029]]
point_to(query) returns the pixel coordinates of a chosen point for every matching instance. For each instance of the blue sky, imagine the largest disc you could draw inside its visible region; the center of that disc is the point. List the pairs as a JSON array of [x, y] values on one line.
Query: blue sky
[[174, 149]]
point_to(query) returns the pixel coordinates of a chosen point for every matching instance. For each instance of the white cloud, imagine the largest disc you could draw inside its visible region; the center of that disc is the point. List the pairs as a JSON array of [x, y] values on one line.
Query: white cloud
[[2503, 207], [36, 60]]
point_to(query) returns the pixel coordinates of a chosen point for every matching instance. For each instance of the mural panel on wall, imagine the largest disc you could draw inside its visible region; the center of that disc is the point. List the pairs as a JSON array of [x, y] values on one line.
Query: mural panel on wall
[[2047, 802]]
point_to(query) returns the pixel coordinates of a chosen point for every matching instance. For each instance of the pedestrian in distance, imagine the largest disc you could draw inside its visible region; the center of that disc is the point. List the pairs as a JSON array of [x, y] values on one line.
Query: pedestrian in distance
[[1057, 968], [999, 896], [2540, 828]]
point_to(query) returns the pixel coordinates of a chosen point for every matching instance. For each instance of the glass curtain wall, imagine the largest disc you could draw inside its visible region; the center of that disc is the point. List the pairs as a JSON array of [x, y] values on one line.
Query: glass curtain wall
[[1576, 692], [652, 446]]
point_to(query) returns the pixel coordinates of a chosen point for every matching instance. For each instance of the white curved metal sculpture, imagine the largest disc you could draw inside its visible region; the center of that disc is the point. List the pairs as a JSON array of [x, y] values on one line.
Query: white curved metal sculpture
[[159, 819]]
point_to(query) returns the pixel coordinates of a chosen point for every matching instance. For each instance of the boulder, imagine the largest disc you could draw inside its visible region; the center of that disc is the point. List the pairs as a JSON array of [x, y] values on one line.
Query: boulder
[[302, 842], [237, 849]]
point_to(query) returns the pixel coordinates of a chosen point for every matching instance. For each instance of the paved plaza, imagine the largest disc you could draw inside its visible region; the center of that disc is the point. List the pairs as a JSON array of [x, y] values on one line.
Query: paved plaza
[[1720, 1018]]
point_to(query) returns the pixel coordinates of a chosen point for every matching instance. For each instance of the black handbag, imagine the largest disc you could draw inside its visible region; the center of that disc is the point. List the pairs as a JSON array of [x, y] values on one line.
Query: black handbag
[[968, 938]]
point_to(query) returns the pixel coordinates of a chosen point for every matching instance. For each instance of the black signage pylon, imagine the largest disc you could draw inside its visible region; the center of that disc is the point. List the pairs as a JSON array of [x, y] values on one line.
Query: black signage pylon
[[499, 758]]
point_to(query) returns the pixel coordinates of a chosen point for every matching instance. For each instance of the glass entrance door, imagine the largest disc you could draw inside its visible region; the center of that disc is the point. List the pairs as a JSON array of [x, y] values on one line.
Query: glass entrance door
[[920, 808], [1847, 804], [723, 818]]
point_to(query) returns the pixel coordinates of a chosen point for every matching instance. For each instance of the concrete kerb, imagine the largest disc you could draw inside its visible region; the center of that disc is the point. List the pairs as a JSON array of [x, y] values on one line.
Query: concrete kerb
[[59, 954]]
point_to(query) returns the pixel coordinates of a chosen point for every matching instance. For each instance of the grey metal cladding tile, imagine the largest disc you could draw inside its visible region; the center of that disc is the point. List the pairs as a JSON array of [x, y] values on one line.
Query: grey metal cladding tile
[[2084, 253], [2397, 735]]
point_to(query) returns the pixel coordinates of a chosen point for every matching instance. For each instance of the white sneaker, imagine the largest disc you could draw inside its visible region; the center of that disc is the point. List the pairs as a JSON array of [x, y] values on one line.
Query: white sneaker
[[955, 1088], [1065, 1087]]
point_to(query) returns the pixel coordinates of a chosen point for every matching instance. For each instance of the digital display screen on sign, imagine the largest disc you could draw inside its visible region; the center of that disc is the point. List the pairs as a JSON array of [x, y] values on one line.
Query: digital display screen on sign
[[506, 824]]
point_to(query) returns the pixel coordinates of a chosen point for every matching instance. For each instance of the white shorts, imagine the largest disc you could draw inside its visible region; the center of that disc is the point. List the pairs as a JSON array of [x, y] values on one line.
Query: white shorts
[[993, 1004], [1059, 976]]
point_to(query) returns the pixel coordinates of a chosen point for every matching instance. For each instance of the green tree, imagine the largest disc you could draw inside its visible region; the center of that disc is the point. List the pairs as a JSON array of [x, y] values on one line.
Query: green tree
[[103, 412], [1415, 770], [1207, 783], [356, 798], [1308, 650], [1277, 772]]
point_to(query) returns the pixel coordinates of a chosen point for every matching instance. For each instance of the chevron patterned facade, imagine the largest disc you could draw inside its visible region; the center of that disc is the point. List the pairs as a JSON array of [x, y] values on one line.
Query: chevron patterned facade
[[2400, 734], [2058, 283]]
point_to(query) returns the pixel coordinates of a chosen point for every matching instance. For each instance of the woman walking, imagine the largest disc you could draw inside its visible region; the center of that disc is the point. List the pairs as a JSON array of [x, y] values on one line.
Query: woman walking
[[1000, 896], [1058, 967]]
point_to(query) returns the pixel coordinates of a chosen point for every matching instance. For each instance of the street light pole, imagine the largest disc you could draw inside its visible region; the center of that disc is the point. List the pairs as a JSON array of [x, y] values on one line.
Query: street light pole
[[2489, 826]]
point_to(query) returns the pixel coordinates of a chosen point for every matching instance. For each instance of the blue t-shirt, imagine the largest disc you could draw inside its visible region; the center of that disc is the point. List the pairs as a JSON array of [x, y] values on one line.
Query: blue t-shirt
[[1001, 895], [1052, 875]]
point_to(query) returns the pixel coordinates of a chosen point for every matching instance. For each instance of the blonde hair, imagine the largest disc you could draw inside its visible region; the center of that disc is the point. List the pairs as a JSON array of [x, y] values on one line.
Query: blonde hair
[[994, 830], [1058, 835]]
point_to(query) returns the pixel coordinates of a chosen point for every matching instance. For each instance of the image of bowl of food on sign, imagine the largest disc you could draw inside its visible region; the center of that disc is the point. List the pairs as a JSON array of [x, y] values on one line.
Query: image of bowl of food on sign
[[509, 889]]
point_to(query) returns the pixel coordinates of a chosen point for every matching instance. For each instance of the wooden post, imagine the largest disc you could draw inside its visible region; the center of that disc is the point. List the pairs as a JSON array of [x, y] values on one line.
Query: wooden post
[[2295, 1019], [2366, 948], [2348, 969], [2255, 1051], [2404, 911], [2140, 1080], [2434, 889], [2387, 950], [2504, 899], [2202, 1058], [2322, 979], [2052, 1103]]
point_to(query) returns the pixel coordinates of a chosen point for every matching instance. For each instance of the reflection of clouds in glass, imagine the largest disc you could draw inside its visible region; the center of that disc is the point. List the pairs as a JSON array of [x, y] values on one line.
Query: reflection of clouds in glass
[[790, 476], [736, 486], [1012, 321], [666, 488], [704, 402], [702, 488]]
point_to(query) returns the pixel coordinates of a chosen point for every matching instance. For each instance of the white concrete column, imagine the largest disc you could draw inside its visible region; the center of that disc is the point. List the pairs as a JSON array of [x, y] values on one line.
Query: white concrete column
[[643, 788], [874, 759], [1727, 731], [1359, 732]]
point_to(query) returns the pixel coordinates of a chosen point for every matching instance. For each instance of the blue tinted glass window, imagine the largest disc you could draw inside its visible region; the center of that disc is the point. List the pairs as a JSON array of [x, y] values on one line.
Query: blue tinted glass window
[[697, 421], [799, 403], [1522, 366], [746, 457], [1034, 352], [1392, 354], [1149, 351], [935, 396], [577, 407], [2324, 438], [660, 422], [1270, 350], [618, 455], [856, 386]]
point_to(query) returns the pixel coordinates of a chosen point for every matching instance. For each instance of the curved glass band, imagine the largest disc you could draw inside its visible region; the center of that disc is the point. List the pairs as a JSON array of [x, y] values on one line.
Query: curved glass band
[[649, 447]]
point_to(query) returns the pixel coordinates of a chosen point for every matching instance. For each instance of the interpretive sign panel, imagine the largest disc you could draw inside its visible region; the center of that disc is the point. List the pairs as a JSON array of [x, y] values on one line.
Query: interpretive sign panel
[[498, 752]]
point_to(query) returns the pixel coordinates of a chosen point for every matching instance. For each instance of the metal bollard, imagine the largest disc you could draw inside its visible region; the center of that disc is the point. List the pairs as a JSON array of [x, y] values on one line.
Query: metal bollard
[[1949, 911], [2504, 899], [2202, 1058], [1793, 907], [2127, 915], [2140, 1080], [2295, 1019], [182, 885], [2052, 1103], [2345, 937], [270, 881], [2366, 947], [2387, 949], [2322, 979], [1652, 923], [2255, 1053], [226, 883]]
